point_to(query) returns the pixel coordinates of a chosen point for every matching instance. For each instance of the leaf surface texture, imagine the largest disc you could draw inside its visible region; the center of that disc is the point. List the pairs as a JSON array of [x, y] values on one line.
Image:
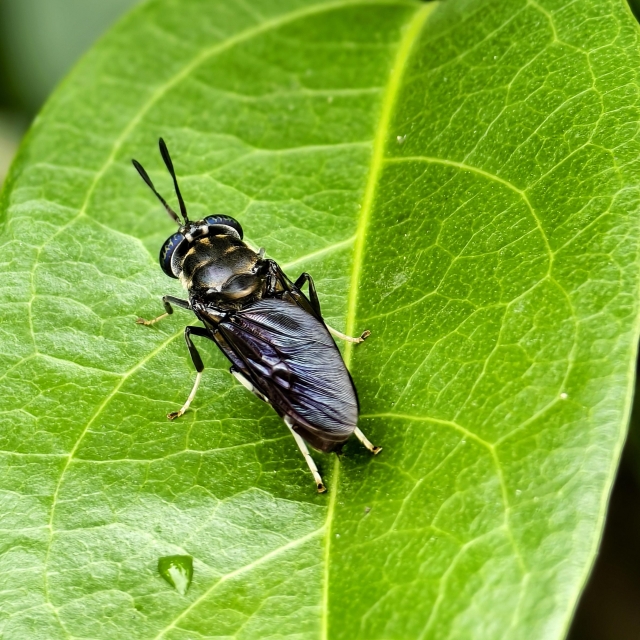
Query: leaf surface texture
[[459, 178]]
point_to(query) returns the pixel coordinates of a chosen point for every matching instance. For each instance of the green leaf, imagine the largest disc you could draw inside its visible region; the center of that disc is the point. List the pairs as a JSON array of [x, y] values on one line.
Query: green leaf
[[462, 179]]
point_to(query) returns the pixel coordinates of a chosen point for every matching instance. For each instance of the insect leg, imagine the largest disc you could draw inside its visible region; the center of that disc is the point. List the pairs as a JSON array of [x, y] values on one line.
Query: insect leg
[[343, 336], [277, 282], [166, 300], [313, 294], [197, 363], [247, 384], [366, 443], [307, 456], [315, 303]]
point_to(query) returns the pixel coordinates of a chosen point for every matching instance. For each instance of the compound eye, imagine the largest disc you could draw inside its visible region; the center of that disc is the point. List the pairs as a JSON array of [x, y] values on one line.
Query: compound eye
[[166, 253], [226, 221]]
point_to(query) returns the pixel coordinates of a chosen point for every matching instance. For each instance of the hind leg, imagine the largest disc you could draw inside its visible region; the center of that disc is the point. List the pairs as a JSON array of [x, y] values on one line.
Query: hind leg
[[365, 441], [307, 456], [299, 441], [247, 384]]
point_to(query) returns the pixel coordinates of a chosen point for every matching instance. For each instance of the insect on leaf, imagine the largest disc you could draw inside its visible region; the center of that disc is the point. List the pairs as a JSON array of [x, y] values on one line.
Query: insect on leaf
[[459, 178]]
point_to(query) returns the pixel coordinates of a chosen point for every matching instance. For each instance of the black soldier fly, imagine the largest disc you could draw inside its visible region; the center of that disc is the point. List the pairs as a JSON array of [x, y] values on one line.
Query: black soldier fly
[[273, 334]]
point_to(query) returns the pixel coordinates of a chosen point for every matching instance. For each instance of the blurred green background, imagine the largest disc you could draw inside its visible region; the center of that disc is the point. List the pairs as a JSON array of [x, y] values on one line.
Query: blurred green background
[[40, 40]]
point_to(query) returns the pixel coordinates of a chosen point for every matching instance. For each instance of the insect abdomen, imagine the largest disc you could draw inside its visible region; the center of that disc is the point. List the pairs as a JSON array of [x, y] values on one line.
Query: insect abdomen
[[293, 360]]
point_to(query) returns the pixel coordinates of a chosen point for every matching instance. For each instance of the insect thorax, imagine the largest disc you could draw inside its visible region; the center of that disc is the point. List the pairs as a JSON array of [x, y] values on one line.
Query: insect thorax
[[221, 267]]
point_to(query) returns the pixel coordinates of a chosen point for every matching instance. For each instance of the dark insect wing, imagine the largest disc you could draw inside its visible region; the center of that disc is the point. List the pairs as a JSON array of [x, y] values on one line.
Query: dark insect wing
[[290, 357]]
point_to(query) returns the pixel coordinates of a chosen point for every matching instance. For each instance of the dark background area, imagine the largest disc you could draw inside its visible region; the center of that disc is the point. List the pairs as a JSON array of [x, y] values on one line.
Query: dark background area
[[610, 605], [41, 39]]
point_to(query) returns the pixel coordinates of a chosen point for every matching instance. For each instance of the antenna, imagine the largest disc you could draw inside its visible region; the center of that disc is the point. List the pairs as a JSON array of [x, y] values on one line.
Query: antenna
[[167, 160], [145, 176]]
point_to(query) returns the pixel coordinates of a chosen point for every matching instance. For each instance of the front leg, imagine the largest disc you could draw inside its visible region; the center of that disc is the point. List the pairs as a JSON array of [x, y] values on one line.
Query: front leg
[[167, 301]]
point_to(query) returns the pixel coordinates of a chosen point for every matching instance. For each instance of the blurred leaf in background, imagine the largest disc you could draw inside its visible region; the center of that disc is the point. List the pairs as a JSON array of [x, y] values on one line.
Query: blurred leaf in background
[[39, 41], [11, 127]]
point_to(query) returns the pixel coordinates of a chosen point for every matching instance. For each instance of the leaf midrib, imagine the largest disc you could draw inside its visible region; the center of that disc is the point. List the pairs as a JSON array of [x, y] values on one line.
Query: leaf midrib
[[396, 73]]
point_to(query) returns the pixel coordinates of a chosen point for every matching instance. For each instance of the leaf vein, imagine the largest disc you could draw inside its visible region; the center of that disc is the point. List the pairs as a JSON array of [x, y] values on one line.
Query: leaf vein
[[405, 46]]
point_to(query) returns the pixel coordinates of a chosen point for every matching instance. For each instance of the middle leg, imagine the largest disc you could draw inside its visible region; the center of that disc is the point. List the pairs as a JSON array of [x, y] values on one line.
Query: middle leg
[[197, 363], [313, 294], [343, 336], [315, 303]]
